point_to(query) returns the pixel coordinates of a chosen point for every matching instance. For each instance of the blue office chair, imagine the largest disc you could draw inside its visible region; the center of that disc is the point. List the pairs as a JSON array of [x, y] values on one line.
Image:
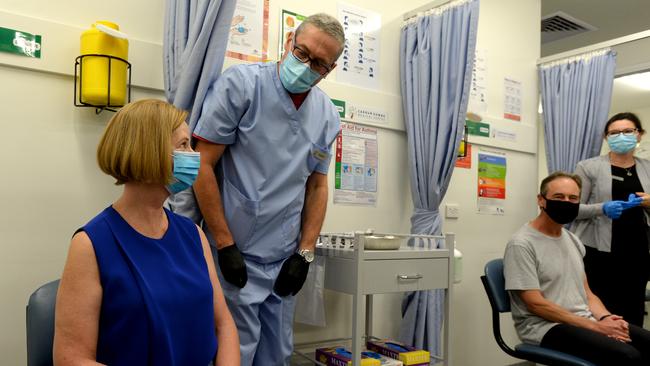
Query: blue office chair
[[494, 284], [40, 325]]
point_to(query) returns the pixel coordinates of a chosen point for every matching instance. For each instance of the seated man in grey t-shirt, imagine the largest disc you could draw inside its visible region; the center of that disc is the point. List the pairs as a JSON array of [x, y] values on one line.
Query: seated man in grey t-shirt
[[551, 302]]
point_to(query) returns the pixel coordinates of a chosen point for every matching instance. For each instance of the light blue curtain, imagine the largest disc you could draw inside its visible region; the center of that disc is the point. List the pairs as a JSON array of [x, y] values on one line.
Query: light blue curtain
[[194, 46], [575, 98], [195, 40], [436, 57]]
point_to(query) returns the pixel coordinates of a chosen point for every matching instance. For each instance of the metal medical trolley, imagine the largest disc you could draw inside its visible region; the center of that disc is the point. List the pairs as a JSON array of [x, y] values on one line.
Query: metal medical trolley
[[351, 269]]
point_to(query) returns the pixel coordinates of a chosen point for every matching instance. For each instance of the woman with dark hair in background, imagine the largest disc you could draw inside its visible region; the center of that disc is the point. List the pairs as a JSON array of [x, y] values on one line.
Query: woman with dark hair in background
[[614, 218]]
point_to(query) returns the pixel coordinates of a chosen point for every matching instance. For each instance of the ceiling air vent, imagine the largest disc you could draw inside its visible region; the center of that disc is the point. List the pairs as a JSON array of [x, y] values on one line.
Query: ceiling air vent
[[561, 25]]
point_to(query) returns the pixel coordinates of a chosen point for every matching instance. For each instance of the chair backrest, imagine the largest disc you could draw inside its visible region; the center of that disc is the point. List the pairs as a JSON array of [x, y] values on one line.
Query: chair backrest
[[495, 286], [40, 324]]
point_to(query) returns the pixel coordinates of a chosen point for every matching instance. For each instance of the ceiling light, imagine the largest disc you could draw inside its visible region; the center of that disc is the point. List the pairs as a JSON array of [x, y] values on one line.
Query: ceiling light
[[639, 81]]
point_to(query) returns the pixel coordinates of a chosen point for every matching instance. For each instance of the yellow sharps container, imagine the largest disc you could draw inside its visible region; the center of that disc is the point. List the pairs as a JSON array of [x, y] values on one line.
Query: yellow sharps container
[[104, 38]]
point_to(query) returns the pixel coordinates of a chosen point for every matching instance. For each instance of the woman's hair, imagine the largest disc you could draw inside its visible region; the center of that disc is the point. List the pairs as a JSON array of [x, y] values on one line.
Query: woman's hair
[[136, 145], [628, 116]]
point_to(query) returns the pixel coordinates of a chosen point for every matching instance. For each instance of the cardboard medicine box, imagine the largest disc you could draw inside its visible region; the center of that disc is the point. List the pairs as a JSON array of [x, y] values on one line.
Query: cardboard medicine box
[[410, 356], [339, 356]]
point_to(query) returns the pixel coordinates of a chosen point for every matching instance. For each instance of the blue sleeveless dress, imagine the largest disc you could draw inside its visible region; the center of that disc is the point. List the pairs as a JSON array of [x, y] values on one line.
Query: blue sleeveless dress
[[157, 306]]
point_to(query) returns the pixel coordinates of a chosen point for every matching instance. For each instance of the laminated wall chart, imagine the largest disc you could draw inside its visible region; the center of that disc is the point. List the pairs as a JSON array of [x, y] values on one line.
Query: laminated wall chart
[[290, 21], [249, 31], [478, 90], [356, 165], [512, 99], [491, 184], [359, 63]]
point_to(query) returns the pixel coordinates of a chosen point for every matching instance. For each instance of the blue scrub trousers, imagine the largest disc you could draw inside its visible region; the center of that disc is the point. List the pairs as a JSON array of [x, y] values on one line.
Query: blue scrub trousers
[[264, 320]]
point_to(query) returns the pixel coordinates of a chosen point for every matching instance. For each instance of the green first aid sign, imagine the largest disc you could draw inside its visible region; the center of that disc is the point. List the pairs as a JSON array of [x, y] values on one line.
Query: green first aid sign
[[20, 43], [478, 128], [340, 107]]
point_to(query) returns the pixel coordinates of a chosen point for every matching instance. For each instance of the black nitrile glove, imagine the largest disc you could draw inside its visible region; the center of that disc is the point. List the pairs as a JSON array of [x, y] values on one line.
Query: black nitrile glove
[[232, 265], [292, 275]]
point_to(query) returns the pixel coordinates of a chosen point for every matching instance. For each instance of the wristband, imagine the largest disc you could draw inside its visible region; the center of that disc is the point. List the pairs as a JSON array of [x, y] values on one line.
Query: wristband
[[604, 316]]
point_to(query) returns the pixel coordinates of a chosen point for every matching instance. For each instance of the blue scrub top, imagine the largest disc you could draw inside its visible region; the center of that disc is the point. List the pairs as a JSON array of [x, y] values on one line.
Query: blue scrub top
[[273, 149]]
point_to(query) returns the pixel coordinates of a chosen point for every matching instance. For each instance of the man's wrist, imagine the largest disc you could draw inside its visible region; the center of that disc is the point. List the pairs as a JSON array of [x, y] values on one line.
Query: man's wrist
[[604, 317], [307, 244], [306, 254], [222, 245], [223, 240]]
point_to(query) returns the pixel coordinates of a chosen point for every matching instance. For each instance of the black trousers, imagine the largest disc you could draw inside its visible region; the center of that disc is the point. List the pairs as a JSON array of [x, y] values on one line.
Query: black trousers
[[598, 348], [619, 279]]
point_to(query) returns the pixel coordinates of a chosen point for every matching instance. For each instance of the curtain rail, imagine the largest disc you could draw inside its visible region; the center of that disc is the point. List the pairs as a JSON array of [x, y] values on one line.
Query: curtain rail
[[425, 7], [594, 47]]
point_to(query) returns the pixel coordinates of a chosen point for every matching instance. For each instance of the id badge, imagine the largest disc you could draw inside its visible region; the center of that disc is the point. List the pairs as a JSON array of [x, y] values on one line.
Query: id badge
[[319, 153]]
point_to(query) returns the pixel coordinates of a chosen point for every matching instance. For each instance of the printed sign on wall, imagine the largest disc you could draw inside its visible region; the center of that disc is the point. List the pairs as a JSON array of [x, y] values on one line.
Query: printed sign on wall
[[359, 62], [491, 184], [20, 43], [357, 163]]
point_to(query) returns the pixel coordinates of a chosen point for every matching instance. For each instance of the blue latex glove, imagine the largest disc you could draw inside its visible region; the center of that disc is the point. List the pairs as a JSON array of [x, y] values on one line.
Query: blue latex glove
[[613, 209], [632, 201]]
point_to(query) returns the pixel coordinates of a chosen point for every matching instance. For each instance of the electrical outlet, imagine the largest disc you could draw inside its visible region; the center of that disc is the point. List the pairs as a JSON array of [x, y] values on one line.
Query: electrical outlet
[[452, 210]]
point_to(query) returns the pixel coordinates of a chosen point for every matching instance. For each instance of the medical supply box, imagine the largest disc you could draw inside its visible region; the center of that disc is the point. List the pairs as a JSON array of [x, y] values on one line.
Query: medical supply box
[[339, 356], [385, 361], [410, 356]]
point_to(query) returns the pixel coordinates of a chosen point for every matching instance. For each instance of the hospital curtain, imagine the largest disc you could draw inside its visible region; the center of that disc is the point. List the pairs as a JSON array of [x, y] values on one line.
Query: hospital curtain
[[576, 94], [194, 46], [195, 39], [436, 57]]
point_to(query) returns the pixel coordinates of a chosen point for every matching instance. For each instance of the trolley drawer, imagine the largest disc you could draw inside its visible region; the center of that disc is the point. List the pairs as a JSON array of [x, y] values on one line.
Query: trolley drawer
[[397, 275]]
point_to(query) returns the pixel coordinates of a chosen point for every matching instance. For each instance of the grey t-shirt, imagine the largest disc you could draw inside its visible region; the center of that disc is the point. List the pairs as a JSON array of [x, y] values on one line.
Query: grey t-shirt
[[553, 265]]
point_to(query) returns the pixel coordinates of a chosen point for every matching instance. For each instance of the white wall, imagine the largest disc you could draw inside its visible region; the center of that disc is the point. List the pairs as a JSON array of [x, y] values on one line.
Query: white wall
[[509, 31], [52, 184], [644, 115]]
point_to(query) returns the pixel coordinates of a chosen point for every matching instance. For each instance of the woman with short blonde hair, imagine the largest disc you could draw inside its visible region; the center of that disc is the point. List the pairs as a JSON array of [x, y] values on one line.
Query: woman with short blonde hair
[[139, 286], [135, 145]]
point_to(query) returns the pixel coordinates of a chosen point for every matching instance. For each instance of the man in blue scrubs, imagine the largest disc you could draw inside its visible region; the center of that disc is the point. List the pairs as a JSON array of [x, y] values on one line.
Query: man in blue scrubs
[[265, 134]]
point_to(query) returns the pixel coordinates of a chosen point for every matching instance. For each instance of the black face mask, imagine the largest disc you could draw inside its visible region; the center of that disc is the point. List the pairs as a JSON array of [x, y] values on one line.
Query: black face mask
[[562, 212]]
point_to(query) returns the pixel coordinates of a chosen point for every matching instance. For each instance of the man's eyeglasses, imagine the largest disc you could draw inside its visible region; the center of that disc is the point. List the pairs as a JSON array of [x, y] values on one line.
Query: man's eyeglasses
[[317, 66], [626, 132]]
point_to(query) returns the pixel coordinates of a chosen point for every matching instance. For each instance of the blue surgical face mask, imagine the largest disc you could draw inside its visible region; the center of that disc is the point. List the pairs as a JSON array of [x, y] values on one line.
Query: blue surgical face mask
[[622, 144], [295, 76], [186, 168]]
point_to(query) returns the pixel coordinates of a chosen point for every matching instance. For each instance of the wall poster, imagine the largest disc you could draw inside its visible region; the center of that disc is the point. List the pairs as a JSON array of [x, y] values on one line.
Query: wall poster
[[289, 23], [478, 89], [512, 99], [357, 163], [491, 184], [359, 63], [249, 31]]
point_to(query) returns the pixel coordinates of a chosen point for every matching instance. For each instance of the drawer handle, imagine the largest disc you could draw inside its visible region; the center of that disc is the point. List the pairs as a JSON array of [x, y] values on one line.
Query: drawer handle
[[409, 277]]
